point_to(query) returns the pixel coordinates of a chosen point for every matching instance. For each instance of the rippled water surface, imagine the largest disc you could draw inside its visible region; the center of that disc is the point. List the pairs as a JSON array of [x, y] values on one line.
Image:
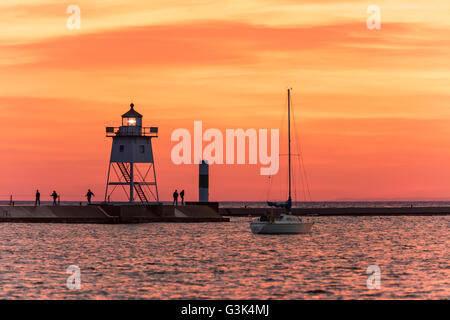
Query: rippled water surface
[[226, 261]]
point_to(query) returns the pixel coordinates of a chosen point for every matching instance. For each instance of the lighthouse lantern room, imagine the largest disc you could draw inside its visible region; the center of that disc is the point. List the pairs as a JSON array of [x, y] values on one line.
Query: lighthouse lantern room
[[132, 165]]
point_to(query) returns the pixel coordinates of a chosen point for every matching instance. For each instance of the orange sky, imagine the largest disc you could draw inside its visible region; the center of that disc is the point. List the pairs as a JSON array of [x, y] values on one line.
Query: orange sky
[[372, 107]]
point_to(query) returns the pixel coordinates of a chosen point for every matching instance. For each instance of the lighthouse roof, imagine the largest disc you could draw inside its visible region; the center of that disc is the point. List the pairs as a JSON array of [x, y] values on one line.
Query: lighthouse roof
[[132, 113]]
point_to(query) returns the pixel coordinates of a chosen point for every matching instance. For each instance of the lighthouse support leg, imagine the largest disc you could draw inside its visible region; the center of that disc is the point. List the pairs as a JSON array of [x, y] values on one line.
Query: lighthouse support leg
[[107, 181], [156, 184], [131, 182]]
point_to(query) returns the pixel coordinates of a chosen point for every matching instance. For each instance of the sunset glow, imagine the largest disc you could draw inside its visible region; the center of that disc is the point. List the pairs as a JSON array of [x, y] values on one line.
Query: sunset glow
[[372, 107]]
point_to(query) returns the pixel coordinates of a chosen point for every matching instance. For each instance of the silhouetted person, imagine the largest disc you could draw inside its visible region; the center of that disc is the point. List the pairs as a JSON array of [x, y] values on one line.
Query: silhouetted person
[[89, 194], [182, 197], [37, 202], [54, 195], [175, 197]]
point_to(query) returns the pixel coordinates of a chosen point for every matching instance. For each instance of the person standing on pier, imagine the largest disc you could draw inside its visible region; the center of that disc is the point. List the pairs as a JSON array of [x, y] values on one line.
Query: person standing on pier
[[54, 195], [175, 198], [89, 194], [182, 197], [37, 202]]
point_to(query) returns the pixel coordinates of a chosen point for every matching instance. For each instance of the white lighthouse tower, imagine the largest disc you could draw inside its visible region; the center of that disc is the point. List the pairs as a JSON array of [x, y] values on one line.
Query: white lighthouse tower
[[132, 162]]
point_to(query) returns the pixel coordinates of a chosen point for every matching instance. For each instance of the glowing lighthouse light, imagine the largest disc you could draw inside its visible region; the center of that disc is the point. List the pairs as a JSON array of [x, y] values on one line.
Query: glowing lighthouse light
[[132, 122]]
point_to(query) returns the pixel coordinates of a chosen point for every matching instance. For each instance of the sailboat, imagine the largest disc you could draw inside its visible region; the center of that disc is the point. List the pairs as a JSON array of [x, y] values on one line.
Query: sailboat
[[284, 223]]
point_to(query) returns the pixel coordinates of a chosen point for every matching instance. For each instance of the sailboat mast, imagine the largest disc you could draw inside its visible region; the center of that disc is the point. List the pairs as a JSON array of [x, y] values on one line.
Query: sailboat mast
[[289, 134]]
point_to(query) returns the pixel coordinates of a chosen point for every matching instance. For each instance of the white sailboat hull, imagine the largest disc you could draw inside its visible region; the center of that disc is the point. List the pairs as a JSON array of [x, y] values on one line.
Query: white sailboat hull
[[265, 227]]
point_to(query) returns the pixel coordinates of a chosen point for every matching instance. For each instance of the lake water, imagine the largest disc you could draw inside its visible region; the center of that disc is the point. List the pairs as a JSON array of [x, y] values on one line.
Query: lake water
[[227, 261]]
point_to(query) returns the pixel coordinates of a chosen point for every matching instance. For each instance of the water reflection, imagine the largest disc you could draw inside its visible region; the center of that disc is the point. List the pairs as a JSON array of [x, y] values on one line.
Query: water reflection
[[225, 260]]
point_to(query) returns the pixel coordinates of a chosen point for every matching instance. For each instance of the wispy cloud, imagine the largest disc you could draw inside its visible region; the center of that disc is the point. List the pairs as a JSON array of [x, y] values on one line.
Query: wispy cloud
[[219, 42]]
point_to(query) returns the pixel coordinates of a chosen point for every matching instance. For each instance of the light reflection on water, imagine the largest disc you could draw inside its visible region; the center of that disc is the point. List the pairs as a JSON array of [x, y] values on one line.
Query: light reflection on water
[[226, 261]]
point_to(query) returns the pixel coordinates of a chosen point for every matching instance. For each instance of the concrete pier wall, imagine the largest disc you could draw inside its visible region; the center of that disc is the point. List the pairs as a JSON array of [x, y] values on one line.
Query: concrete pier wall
[[109, 214], [54, 214], [350, 211]]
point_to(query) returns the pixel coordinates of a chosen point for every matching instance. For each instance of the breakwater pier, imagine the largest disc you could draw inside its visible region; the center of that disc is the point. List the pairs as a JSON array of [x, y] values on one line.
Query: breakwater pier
[[191, 212], [111, 213], [341, 211]]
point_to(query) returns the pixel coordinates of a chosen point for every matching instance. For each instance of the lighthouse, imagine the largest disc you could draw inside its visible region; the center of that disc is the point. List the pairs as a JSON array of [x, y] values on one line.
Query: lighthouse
[[131, 165]]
